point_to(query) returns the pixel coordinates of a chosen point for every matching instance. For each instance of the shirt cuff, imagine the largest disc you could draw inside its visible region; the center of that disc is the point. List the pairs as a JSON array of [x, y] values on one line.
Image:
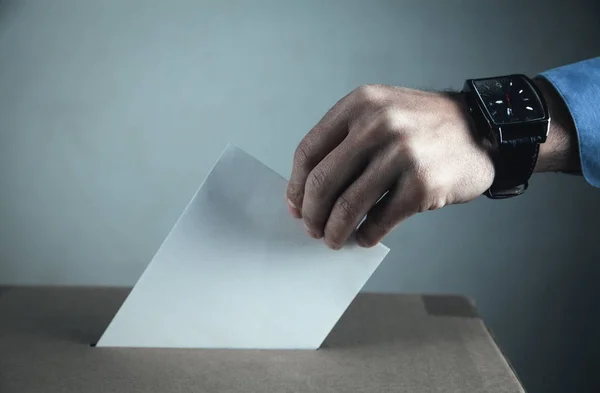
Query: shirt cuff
[[579, 86]]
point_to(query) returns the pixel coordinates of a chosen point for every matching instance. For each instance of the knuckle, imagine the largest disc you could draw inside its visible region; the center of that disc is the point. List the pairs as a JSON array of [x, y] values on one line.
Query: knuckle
[[382, 225], [345, 209], [382, 129], [302, 155], [367, 93], [389, 119], [316, 182], [403, 152]]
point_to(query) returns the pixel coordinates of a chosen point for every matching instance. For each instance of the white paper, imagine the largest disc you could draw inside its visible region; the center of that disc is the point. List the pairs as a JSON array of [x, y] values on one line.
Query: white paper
[[237, 271]]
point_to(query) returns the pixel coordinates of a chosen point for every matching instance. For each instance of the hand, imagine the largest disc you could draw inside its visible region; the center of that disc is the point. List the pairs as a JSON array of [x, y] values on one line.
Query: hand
[[417, 149]]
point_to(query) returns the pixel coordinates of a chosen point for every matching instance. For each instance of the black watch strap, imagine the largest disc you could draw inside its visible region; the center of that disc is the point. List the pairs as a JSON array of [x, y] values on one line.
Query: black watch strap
[[514, 165]]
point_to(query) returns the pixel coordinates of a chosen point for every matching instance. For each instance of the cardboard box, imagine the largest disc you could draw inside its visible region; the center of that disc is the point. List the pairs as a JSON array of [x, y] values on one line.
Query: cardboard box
[[383, 343]]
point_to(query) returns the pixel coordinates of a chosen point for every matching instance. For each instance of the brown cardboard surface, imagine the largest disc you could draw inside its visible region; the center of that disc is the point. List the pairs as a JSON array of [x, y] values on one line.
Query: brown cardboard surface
[[383, 343]]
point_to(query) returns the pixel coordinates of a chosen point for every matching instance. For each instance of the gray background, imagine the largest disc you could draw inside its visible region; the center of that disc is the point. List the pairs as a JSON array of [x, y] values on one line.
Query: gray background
[[112, 113]]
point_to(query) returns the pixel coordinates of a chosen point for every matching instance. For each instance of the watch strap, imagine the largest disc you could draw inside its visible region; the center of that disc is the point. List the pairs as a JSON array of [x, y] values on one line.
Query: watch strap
[[514, 165]]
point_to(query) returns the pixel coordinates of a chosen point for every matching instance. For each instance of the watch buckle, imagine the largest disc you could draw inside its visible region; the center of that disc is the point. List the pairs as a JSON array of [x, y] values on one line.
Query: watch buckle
[[507, 193]]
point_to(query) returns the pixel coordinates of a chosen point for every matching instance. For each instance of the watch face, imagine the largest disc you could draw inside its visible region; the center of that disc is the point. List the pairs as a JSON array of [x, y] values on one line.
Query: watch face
[[509, 99]]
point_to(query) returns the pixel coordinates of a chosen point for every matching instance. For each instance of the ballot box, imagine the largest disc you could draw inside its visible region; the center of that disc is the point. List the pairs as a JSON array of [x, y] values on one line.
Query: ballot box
[[382, 343]]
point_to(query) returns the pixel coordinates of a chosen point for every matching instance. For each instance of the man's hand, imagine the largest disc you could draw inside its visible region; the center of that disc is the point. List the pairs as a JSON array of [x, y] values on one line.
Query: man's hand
[[416, 149]]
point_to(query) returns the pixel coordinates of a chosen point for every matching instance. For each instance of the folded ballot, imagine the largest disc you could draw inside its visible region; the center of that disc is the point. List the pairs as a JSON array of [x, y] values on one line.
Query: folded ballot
[[237, 271]]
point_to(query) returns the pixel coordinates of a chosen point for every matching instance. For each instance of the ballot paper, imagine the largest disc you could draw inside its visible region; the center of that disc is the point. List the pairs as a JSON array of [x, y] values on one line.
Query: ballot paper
[[237, 271]]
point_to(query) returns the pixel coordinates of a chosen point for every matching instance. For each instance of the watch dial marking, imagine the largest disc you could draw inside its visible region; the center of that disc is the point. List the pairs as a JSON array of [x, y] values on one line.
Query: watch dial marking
[[509, 99]]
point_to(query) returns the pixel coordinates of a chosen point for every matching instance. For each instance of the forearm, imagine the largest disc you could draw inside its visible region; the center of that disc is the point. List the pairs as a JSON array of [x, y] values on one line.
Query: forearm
[[560, 153]]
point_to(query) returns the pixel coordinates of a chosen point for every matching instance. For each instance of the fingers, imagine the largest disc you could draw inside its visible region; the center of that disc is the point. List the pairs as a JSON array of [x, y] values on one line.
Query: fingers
[[353, 204], [328, 180], [316, 145], [398, 204]]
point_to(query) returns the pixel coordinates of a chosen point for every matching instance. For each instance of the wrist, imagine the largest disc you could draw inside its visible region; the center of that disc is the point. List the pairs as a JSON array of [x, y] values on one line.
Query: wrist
[[481, 138], [560, 152]]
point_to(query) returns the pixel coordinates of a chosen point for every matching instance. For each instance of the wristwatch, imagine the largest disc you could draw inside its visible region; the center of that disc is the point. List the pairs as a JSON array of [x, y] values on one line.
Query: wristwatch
[[512, 113]]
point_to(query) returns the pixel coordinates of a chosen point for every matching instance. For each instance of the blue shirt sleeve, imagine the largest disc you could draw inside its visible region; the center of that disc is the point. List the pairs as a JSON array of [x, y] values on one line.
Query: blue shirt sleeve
[[579, 86]]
